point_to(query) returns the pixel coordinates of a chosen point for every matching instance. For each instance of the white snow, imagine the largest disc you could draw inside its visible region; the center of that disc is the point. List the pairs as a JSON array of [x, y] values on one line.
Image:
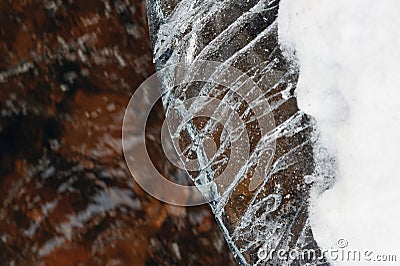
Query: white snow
[[349, 55]]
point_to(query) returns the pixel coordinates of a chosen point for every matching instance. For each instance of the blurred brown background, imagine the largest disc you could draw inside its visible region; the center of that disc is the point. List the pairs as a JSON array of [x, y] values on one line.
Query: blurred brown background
[[67, 71]]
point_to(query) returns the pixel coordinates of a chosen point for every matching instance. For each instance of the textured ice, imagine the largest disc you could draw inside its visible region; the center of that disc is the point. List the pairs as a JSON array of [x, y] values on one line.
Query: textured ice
[[244, 35]]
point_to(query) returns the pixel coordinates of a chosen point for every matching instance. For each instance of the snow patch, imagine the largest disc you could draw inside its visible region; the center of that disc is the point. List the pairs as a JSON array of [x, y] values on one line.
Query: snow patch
[[348, 53]]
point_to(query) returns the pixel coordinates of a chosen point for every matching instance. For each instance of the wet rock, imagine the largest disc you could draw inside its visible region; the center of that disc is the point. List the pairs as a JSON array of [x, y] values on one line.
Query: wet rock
[[67, 71]]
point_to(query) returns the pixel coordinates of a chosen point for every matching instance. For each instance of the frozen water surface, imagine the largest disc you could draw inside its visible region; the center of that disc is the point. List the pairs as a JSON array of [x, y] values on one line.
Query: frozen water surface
[[243, 35]]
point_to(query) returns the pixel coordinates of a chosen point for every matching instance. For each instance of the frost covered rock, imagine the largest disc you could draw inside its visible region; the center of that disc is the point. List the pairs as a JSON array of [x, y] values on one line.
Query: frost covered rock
[[244, 35]]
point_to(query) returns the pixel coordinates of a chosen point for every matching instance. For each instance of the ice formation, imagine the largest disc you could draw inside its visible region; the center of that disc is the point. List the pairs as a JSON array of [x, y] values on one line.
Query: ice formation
[[244, 35]]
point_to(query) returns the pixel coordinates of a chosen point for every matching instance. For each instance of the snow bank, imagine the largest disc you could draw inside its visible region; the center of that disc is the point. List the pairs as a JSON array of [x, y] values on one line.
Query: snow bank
[[349, 56]]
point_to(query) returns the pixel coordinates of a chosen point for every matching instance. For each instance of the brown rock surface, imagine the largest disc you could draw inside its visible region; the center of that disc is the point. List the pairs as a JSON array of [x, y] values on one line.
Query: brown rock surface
[[67, 70]]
